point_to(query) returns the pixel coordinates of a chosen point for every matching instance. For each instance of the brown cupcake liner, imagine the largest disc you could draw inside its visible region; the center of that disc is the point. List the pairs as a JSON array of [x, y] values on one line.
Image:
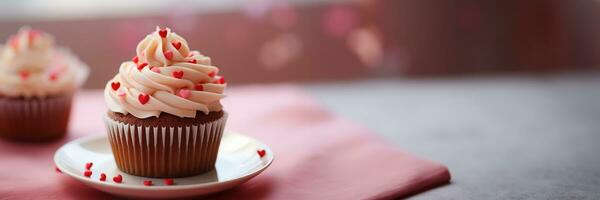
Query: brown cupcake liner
[[35, 120], [165, 152]]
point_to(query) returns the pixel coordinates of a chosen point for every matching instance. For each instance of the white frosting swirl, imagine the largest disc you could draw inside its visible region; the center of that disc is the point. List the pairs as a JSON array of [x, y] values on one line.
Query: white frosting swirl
[[31, 66], [165, 76]]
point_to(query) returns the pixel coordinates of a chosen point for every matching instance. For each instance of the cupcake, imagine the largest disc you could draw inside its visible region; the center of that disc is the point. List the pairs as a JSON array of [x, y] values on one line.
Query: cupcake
[[164, 114], [37, 82]]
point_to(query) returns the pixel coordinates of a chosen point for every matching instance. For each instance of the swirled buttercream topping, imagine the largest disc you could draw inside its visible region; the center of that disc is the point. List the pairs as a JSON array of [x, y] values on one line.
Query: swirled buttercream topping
[[31, 66], [165, 76]]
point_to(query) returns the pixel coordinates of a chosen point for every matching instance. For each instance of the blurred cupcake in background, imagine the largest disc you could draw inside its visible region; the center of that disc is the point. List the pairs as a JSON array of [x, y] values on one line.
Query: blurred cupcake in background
[[37, 82]]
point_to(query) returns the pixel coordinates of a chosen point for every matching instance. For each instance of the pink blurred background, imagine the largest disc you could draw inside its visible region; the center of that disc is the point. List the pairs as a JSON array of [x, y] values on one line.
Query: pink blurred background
[[261, 41]]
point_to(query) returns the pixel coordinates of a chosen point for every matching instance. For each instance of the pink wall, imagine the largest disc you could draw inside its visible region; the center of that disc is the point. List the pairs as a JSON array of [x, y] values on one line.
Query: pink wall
[[323, 42]]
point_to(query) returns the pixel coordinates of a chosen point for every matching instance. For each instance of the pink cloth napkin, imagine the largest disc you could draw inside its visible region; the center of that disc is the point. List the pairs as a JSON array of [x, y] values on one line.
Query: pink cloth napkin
[[317, 155]]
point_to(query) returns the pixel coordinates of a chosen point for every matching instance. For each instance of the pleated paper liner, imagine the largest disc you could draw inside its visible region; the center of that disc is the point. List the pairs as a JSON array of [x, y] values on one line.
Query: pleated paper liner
[[165, 152], [35, 120]]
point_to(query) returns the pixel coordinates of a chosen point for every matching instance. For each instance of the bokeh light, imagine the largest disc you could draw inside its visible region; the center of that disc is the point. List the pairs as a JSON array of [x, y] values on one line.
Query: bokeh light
[[256, 9], [367, 45], [280, 51], [339, 21], [284, 16]]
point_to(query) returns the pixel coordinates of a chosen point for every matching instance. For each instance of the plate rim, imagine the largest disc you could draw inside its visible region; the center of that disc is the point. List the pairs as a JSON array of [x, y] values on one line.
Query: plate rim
[[159, 187]]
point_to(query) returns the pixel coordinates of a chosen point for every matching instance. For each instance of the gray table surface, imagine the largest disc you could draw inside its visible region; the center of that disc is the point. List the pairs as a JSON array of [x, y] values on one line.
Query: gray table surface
[[502, 137]]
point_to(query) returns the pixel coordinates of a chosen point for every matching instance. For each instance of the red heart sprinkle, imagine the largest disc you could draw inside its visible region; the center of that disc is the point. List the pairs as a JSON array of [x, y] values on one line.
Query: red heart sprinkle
[[261, 153], [103, 177], [169, 181], [14, 42], [87, 173], [141, 66], [168, 54], [177, 74], [220, 80], [193, 61], [143, 98], [162, 32], [115, 85], [148, 183], [32, 35], [176, 44], [89, 165], [118, 179], [135, 59], [53, 76], [24, 74], [199, 87], [57, 169], [212, 74]]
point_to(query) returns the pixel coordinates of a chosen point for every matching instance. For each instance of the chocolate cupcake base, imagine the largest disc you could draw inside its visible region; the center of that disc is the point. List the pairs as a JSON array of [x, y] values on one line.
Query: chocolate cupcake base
[[167, 146], [34, 120]]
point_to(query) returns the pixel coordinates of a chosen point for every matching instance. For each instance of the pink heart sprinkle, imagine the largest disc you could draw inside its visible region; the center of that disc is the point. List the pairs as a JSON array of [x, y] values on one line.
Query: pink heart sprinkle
[[121, 93], [185, 93], [155, 69]]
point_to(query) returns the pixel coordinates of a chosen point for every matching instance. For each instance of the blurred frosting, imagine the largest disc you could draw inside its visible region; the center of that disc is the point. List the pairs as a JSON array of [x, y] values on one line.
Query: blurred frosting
[[31, 66], [165, 76]]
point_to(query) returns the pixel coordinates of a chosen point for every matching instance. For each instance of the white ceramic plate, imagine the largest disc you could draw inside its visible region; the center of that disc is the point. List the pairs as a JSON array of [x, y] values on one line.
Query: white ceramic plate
[[237, 162]]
